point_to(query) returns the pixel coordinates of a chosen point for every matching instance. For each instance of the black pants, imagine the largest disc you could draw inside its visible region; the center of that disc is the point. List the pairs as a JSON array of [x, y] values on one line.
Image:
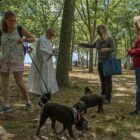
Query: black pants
[[106, 83]]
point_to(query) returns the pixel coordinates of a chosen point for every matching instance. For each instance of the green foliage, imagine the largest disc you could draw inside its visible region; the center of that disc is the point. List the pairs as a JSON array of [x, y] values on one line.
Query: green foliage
[[37, 15]]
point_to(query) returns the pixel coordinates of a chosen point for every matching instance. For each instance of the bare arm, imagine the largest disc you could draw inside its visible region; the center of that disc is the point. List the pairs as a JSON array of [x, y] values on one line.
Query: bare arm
[[28, 35], [88, 45]]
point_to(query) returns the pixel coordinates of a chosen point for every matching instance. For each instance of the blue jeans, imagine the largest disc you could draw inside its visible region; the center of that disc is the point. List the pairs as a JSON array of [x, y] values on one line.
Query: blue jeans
[[137, 73]]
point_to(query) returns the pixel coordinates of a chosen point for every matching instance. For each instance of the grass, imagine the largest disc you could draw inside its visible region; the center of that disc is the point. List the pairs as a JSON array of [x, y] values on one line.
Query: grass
[[114, 124]]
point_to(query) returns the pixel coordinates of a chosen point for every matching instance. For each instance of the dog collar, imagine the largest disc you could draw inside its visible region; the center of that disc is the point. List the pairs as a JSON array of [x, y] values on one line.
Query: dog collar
[[76, 115]]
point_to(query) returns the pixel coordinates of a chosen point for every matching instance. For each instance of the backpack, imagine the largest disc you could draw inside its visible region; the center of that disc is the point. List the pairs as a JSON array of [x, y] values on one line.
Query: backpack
[[19, 30]]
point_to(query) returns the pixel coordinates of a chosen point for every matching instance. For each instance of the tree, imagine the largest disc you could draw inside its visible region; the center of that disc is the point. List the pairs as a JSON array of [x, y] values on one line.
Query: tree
[[62, 71]]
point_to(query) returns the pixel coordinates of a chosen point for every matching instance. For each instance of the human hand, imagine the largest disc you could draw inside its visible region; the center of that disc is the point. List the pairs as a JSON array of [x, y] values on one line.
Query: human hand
[[104, 49], [30, 49], [55, 51], [21, 40]]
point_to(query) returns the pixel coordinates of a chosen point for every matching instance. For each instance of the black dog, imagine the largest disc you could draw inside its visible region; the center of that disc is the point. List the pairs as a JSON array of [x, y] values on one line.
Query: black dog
[[88, 90], [44, 99], [63, 114], [89, 100]]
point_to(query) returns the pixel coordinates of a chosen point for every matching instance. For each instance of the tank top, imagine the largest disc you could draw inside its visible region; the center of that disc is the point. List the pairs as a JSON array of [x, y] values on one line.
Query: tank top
[[11, 50]]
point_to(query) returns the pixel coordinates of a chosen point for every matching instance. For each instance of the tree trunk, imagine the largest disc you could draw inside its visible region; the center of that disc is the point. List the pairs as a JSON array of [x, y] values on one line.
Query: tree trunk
[[92, 36], [62, 71], [72, 45], [87, 59]]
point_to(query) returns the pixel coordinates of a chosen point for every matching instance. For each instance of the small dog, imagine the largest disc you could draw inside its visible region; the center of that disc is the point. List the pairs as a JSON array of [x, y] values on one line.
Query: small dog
[[89, 100], [63, 114], [44, 99], [88, 90]]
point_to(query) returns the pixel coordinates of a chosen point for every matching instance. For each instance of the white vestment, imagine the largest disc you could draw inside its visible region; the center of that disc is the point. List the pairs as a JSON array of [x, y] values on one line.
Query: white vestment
[[44, 78]]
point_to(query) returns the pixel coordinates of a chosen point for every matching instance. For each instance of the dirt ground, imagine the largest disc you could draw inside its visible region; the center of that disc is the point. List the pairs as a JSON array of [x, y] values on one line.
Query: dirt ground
[[113, 124]]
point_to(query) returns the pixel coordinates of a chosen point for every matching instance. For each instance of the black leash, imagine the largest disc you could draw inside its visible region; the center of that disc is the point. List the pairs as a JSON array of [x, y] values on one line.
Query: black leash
[[26, 50], [40, 76]]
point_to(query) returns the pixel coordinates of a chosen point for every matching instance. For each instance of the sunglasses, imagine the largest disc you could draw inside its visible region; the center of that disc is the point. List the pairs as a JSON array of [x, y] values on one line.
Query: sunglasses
[[51, 34]]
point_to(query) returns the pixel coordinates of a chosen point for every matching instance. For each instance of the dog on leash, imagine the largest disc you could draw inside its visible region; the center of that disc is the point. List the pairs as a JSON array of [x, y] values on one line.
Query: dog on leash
[[44, 99], [88, 91], [89, 100], [63, 114]]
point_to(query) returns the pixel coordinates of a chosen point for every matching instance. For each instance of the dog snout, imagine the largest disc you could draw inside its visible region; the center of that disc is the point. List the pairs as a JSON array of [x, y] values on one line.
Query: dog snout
[[40, 104]]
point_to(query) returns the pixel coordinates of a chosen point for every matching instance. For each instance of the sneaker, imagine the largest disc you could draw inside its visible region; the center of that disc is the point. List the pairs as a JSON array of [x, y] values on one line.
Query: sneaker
[[29, 107], [134, 112], [5, 109]]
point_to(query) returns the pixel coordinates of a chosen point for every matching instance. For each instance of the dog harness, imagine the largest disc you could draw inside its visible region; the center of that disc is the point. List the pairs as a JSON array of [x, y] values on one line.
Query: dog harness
[[76, 115]]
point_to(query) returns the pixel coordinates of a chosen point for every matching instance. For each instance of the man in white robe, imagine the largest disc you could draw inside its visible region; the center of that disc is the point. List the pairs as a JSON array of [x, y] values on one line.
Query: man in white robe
[[42, 78]]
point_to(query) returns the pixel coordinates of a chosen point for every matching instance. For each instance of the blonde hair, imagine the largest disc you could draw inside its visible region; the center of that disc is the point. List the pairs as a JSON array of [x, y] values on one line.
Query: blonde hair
[[137, 21], [6, 15], [104, 31]]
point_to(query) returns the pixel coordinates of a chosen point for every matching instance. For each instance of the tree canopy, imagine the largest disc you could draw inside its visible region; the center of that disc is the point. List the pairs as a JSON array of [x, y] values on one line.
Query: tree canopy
[[118, 15]]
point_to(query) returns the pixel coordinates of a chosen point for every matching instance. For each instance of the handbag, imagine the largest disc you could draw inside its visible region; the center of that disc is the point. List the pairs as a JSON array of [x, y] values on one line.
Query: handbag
[[112, 66]]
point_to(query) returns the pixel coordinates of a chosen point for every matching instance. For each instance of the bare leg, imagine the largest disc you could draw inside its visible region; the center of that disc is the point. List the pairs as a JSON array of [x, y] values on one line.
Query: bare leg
[[19, 80], [5, 88]]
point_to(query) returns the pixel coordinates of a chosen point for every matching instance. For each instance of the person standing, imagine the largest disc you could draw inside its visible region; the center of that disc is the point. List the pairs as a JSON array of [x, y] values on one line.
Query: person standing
[[12, 59], [105, 47], [135, 53], [42, 77]]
